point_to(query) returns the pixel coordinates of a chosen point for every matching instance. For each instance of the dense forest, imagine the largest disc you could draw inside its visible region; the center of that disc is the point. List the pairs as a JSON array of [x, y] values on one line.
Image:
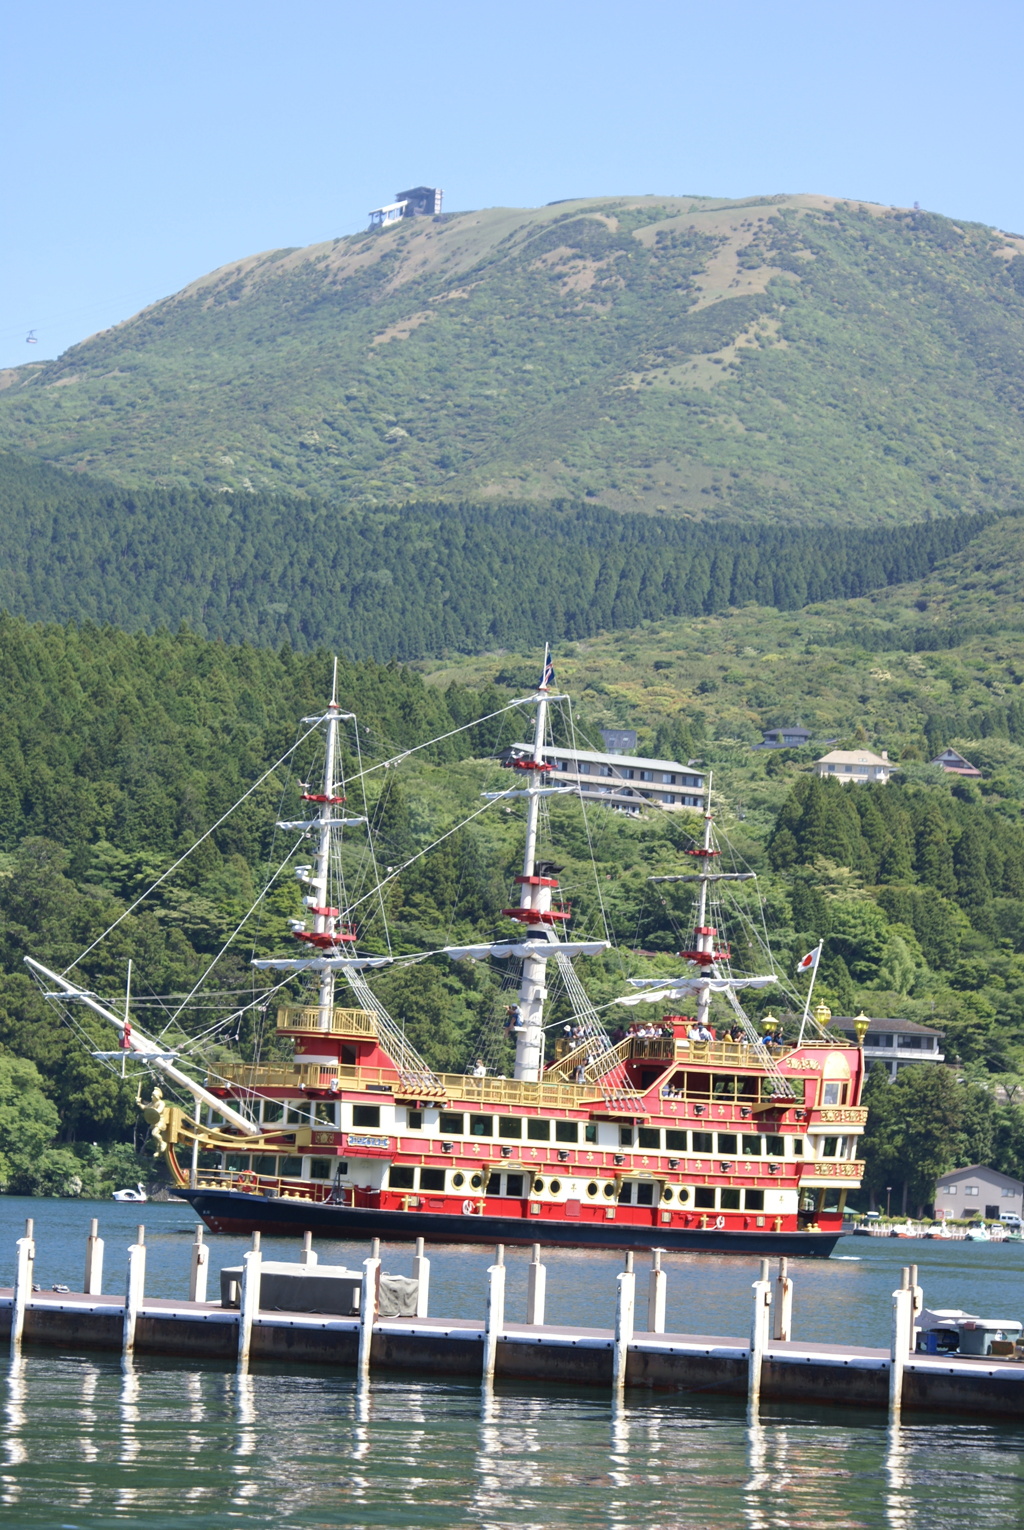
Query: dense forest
[[793, 359], [418, 579]]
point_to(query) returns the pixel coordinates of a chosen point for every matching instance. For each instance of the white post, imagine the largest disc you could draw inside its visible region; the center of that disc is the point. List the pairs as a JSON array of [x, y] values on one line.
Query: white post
[[917, 1307], [135, 1292], [249, 1302], [759, 1328], [193, 1174], [902, 1328], [367, 1310], [309, 1254], [200, 1267], [421, 1275], [782, 1323], [495, 1319], [656, 1292], [22, 1283], [93, 1283], [625, 1314], [536, 1290]]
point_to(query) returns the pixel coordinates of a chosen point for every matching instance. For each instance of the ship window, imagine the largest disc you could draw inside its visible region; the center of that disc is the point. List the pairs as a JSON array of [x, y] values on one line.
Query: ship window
[[666, 1194], [273, 1110], [366, 1115], [510, 1126], [729, 1200], [675, 1142], [538, 1131], [567, 1131], [727, 1142], [431, 1179], [609, 1191], [556, 1186], [451, 1124], [324, 1114], [697, 1085], [683, 1194], [401, 1177], [538, 1187], [798, 1147], [704, 1198], [298, 1115], [458, 1180], [746, 1086], [796, 1084], [291, 1168], [752, 1147], [494, 1184], [415, 1120], [645, 1195], [831, 1095], [775, 1147], [649, 1137], [725, 1087], [702, 1142], [321, 1168], [753, 1200], [236, 1161], [590, 1131], [265, 1164], [592, 1187], [476, 1181], [514, 1184], [626, 1193], [830, 1147], [481, 1126], [625, 1136]]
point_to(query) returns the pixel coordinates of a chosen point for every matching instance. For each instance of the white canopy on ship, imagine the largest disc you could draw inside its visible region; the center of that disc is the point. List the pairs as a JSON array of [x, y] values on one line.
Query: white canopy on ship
[[676, 989]]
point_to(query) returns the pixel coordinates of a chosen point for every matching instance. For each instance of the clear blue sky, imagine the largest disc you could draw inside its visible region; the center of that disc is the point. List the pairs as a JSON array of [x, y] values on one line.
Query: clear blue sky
[[145, 143]]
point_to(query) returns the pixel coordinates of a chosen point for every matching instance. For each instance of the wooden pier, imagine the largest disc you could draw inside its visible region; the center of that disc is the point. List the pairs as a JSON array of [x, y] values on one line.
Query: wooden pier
[[767, 1364]]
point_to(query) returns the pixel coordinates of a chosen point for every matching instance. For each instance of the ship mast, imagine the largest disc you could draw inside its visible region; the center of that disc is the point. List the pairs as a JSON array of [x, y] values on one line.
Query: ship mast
[[324, 916]]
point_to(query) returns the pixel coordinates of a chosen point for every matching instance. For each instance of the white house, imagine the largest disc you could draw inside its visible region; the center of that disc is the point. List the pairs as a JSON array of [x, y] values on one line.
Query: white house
[[628, 782], [855, 765], [977, 1190]]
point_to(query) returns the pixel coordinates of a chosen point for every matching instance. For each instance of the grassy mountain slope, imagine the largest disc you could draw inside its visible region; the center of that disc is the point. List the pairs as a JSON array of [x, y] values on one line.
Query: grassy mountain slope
[[791, 358]]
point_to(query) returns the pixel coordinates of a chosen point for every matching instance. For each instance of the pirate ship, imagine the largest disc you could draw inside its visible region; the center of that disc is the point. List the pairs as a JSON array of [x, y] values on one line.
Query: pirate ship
[[680, 1134]]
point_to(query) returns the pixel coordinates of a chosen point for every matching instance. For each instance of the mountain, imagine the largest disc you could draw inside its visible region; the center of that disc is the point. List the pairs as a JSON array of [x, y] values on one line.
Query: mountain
[[786, 358]]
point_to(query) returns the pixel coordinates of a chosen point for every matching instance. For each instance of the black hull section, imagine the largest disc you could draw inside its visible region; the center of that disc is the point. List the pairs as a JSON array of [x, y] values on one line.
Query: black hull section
[[232, 1211]]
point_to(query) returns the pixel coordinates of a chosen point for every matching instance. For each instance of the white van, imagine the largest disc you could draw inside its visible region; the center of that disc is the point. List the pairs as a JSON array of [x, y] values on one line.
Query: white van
[[1010, 1219]]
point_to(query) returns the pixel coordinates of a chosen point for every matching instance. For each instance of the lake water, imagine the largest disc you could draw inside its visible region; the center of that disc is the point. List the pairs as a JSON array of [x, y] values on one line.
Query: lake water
[[87, 1444]]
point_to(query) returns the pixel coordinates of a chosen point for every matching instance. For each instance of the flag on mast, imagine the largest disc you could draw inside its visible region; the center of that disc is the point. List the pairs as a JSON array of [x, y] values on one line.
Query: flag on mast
[[547, 678], [809, 962]]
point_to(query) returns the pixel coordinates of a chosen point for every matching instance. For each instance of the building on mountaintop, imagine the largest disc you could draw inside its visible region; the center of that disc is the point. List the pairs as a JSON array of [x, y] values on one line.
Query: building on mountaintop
[[955, 763], [855, 765], [894, 1043], [978, 1190], [419, 202], [784, 738], [628, 782]]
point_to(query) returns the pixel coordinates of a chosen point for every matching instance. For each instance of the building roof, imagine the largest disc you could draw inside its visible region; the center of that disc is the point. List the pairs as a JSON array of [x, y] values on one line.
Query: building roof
[[883, 1026], [853, 757], [562, 751], [979, 1168], [955, 763], [768, 732]]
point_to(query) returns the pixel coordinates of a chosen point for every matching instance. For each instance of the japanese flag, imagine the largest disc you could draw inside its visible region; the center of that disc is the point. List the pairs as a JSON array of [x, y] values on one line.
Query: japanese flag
[[810, 961]]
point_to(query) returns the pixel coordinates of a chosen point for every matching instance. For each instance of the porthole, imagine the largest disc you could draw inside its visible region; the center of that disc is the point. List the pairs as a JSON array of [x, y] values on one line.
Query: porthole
[[538, 1187], [556, 1185], [477, 1181], [609, 1191], [592, 1187], [458, 1180], [666, 1194], [684, 1195]]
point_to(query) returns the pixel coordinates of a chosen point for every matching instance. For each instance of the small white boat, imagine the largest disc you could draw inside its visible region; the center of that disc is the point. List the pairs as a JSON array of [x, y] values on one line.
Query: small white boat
[[978, 1235], [138, 1194]]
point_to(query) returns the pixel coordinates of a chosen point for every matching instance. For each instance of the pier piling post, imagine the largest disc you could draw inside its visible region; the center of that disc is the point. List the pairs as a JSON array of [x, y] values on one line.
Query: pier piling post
[[656, 1291], [309, 1254], [135, 1291], [421, 1275], [902, 1330], [625, 1315], [368, 1310], [200, 1267], [93, 1283], [536, 1289], [249, 1301], [23, 1283], [495, 1319], [782, 1320], [917, 1306], [759, 1329]]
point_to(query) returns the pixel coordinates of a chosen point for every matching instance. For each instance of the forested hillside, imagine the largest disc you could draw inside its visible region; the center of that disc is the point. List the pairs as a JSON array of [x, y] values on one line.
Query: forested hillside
[[416, 579], [779, 358]]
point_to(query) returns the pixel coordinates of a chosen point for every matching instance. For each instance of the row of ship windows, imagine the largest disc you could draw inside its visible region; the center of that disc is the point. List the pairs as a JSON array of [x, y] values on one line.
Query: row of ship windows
[[625, 1192]]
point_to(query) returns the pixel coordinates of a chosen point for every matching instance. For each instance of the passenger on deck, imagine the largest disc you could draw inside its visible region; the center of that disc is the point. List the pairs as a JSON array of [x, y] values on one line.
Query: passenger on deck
[[699, 1032], [480, 1071]]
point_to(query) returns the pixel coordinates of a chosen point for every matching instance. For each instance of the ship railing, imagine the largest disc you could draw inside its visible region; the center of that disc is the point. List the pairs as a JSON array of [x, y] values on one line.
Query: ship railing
[[253, 1183], [250, 1076], [343, 1022], [491, 1090], [515, 1091]]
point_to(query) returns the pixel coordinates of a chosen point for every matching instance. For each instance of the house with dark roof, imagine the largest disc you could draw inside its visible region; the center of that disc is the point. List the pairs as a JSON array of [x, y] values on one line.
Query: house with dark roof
[[784, 738], [955, 763]]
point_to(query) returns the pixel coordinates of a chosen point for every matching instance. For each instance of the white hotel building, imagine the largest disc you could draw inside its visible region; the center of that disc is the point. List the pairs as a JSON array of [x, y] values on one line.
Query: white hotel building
[[627, 782]]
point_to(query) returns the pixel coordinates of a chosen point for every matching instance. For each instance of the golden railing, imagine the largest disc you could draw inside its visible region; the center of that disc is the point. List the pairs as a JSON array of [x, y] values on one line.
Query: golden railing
[[344, 1022], [839, 1168]]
